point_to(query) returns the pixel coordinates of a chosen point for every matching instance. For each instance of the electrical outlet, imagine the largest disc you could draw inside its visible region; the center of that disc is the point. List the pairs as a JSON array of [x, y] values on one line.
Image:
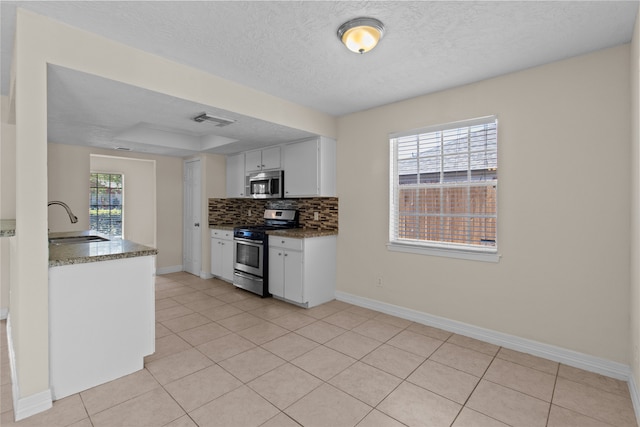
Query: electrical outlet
[[379, 284], [316, 216], [249, 212]]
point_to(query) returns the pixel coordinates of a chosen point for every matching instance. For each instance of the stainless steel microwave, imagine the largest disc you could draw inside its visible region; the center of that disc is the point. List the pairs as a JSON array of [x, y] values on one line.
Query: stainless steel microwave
[[266, 185]]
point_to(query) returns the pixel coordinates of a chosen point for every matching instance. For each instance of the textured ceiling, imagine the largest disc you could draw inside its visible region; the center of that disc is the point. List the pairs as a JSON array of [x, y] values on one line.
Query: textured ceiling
[[290, 50]]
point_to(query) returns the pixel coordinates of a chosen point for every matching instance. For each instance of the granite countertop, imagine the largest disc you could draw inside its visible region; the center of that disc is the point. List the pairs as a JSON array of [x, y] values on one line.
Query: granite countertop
[[296, 233], [7, 227], [224, 226], [302, 233], [80, 253]]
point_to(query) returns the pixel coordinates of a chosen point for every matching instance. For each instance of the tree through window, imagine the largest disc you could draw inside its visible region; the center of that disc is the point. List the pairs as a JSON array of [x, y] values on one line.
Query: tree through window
[[105, 206]]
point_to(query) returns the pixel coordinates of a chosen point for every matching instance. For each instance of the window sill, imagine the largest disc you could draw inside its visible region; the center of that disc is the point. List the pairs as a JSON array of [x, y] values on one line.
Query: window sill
[[471, 255]]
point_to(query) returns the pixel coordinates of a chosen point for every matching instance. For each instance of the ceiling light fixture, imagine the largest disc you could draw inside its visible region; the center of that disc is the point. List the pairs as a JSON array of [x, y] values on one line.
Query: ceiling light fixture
[[219, 121], [360, 35]]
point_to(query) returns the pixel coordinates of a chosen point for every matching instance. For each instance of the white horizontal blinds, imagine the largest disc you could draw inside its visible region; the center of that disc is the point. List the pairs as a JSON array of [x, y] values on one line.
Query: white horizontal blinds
[[445, 186]]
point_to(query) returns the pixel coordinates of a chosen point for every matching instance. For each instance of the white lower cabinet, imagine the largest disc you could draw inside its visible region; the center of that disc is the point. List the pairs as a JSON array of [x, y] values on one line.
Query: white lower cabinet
[[303, 271], [101, 322], [222, 254]]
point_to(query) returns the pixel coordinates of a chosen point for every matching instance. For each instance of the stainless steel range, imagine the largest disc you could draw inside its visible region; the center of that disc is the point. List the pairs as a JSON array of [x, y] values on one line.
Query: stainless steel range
[[250, 259]]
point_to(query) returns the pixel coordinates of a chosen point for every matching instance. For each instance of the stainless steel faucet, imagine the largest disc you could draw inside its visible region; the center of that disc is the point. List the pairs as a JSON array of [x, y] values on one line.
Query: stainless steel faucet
[[72, 217]]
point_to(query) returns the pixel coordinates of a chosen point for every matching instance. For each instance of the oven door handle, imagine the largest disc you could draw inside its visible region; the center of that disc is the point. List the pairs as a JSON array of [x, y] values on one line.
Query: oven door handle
[[248, 242]]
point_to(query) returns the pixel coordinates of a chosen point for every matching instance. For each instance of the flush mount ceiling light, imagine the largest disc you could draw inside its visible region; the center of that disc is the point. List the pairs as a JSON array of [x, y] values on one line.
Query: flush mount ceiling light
[[360, 35], [219, 121]]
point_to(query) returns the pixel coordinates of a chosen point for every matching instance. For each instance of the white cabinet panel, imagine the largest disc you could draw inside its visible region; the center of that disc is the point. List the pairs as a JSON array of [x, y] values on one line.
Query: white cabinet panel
[[271, 158], [286, 242], [259, 160], [253, 161], [222, 254], [276, 271], [301, 169], [101, 322], [293, 276], [310, 168], [285, 274], [235, 176], [303, 270]]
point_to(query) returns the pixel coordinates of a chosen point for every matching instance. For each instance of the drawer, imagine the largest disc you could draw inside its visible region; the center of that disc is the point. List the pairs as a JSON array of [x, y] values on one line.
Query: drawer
[[285, 243], [222, 234]]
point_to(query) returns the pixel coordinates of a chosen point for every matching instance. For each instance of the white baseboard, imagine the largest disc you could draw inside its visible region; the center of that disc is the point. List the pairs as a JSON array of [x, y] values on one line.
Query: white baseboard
[[167, 270], [558, 354], [4, 312], [24, 407], [635, 396]]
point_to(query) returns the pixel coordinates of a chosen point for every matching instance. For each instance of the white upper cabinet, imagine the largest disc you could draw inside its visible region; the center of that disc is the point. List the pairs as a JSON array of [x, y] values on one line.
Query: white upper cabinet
[[235, 176], [259, 160], [310, 168]]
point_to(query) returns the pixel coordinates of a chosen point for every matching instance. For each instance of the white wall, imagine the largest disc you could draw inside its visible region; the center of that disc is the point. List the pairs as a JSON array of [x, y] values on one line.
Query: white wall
[[635, 204], [563, 207]]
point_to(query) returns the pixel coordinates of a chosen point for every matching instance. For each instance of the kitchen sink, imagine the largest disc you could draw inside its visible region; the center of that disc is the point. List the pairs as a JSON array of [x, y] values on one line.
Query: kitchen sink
[[76, 239]]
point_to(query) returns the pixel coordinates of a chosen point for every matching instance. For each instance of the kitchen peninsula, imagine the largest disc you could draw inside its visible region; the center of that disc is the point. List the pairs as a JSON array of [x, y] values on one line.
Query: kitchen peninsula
[[101, 311]]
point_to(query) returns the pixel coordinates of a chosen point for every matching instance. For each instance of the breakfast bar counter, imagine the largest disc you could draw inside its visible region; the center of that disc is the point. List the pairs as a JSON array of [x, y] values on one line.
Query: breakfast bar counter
[[80, 253], [101, 310]]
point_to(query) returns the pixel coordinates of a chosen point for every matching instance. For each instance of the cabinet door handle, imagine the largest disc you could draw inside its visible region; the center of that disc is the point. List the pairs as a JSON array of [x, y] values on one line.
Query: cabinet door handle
[[279, 253], [286, 254]]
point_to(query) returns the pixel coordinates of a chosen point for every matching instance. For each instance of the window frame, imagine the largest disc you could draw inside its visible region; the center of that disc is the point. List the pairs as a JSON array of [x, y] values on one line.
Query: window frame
[[110, 205], [432, 247]]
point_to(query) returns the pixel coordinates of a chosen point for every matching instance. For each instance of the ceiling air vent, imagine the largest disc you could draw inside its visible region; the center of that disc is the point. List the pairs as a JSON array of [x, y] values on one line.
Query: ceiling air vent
[[122, 148], [218, 121]]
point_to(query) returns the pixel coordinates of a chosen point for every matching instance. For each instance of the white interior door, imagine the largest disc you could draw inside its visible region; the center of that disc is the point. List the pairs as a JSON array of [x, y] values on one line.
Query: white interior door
[[192, 204]]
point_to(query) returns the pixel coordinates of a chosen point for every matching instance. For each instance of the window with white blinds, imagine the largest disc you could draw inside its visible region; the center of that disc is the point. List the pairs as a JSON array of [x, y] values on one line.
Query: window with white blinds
[[444, 188]]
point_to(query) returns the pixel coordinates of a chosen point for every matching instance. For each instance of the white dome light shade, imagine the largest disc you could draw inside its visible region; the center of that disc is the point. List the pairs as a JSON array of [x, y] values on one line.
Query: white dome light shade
[[360, 35]]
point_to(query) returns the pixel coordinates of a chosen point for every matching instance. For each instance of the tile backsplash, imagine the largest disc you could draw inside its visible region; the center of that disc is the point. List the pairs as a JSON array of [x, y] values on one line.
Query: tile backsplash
[[249, 211]]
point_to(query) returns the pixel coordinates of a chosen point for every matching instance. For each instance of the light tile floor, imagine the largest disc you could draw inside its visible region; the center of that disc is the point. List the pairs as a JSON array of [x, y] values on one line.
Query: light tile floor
[[225, 357]]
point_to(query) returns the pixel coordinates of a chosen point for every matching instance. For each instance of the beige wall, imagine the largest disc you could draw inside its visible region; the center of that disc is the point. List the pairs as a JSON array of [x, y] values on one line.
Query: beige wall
[[139, 196], [634, 358], [68, 181], [41, 41], [7, 193], [214, 178], [7, 162], [69, 168], [564, 176]]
